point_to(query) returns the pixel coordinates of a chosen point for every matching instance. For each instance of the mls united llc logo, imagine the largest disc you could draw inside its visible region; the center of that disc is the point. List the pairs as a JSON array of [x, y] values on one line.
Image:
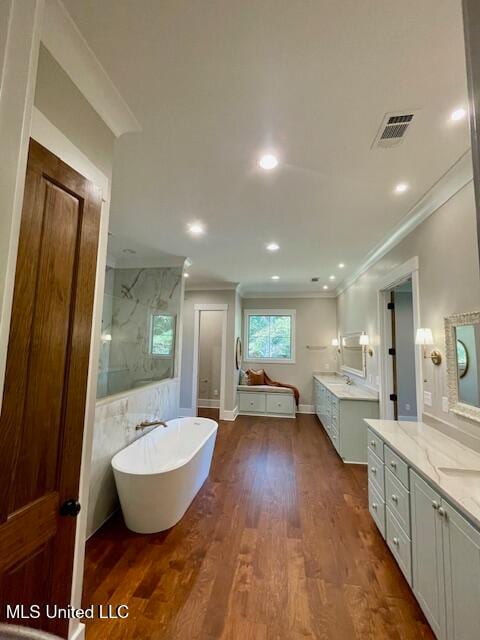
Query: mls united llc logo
[[54, 612]]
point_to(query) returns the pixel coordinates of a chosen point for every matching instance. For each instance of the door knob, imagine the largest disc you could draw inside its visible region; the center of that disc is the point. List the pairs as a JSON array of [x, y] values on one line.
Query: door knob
[[70, 508]]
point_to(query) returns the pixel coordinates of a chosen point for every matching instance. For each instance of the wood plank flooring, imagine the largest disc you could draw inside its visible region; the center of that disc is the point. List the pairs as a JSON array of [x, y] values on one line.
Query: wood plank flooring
[[278, 545]]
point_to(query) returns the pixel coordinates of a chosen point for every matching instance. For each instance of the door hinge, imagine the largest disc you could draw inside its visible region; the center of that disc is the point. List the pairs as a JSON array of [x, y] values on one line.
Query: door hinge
[[393, 397], [392, 351], [391, 306]]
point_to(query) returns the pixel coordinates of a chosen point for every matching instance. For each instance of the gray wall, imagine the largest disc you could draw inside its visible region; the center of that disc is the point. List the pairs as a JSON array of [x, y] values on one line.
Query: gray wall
[[192, 298], [405, 345], [210, 355], [62, 103], [316, 326], [446, 245]]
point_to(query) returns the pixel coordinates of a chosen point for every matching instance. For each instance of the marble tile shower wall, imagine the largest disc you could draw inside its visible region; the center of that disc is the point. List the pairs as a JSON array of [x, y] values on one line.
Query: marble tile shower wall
[[131, 297], [115, 421]]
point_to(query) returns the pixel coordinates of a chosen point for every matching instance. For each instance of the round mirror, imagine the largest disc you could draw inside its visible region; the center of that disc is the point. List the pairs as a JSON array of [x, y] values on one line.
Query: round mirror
[[462, 359], [238, 353]]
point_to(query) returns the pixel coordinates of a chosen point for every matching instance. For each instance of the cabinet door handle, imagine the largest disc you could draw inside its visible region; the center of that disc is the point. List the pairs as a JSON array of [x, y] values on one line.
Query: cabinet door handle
[[442, 512], [375, 506], [395, 498], [374, 470], [393, 464], [435, 505], [396, 542], [373, 443]]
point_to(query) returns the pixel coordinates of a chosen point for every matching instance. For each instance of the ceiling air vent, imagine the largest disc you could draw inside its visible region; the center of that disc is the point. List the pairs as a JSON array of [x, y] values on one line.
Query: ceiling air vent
[[393, 129]]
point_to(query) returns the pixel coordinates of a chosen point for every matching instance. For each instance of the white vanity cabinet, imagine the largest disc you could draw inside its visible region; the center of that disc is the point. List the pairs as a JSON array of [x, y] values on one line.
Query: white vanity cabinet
[[461, 554], [342, 415], [436, 547], [427, 553], [446, 556]]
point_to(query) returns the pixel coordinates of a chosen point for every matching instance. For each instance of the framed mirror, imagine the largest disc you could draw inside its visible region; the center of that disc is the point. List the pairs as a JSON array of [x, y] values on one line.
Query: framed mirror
[[462, 332], [352, 355]]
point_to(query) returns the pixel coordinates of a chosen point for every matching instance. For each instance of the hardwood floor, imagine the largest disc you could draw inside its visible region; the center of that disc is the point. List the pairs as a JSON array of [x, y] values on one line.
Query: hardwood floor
[[278, 545]]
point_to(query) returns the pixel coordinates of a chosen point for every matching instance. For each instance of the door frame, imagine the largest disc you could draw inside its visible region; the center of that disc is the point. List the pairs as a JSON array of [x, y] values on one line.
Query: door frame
[[198, 308], [409, 269], [44, 132]]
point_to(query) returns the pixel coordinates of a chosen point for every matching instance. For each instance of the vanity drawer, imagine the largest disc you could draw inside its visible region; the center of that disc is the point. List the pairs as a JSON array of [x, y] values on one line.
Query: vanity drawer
[[279, 403], [375, 473], [335, 437], [397, 499], [397, 466], [376, 506], [400, 545], [375, 443], [253, 402]]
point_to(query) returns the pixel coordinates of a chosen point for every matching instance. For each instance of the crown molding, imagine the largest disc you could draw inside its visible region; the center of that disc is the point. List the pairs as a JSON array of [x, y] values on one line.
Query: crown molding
[[64, 41], [452, 181], [211, 286], [280, 295]]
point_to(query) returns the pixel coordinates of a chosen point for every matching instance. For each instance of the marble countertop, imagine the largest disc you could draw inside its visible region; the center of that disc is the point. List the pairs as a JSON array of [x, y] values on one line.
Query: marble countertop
[[336, 385], [448, 465]]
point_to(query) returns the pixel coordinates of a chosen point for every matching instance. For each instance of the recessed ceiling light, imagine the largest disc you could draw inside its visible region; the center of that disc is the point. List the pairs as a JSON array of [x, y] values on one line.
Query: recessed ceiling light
[[275, 277], [401, 187], [341, 265], [332, 278], [186, 275], [196, 228], [268, 161], [273, 246], [458, 114], [325, 287]]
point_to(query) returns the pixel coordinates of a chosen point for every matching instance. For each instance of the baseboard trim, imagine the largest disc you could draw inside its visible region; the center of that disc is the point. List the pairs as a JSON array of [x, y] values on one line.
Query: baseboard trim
[[208, 403], [110, 515], [78, 631], [306, 408], [230, 416], [186, 413]]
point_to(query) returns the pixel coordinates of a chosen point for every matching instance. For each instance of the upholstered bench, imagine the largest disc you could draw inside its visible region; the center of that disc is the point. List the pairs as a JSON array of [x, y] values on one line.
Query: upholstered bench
[[264, 400]]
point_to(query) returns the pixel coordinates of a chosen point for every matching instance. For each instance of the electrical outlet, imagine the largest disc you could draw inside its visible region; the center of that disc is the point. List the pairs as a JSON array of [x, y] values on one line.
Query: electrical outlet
[[407, 407], [427, 398], [445, 404], [215, 392]]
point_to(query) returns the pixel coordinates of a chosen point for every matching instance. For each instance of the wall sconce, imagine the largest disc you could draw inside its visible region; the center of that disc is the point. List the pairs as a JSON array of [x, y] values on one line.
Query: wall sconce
[[364, 341], [424, 338]]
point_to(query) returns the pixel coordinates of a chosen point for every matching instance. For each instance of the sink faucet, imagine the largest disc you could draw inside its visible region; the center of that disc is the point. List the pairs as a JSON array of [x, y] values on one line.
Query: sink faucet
[[348, 380], [145, 424]]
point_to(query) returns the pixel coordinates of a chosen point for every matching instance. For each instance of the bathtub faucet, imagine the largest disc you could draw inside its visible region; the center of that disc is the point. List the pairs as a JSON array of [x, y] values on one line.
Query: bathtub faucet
[[145, 424]]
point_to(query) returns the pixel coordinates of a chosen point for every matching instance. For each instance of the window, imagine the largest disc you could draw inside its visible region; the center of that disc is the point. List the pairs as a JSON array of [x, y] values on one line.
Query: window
[[162, 339], [270, 335]]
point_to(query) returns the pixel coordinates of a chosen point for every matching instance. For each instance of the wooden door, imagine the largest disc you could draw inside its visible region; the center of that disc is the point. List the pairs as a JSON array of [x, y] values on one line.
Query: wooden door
[[427, 553], [462, 575], [41, 423]]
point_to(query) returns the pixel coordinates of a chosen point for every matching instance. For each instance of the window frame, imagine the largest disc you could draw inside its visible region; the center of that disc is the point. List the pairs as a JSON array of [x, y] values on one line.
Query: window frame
[[150, 342], [270, 312]]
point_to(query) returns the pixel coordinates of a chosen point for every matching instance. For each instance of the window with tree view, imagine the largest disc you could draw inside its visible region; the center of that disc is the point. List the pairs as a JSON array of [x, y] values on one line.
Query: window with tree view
[[163, 335], [270, 336]]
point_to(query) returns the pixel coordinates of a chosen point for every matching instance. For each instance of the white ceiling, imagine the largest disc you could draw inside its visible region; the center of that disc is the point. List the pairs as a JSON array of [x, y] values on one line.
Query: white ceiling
[[215, 82]]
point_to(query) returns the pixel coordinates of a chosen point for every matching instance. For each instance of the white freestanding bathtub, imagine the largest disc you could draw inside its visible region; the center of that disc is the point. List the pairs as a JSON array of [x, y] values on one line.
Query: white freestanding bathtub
[[158, 475]]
